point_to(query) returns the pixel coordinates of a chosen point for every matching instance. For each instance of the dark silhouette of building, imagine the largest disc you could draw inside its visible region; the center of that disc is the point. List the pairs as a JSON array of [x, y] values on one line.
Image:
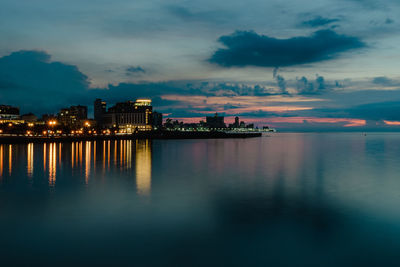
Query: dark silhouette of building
[[215, 121], [129, 116], [236, 124], [29, 117], [9, 112], [48, 117], [73, 116], [157, 119], [100, 108]]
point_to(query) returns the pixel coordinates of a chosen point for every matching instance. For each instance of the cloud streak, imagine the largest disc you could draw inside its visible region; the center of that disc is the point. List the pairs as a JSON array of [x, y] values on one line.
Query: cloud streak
[[318, 22]]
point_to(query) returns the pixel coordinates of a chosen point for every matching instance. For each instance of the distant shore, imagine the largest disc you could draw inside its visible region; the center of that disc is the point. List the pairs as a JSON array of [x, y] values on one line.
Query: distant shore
[[7, 139]]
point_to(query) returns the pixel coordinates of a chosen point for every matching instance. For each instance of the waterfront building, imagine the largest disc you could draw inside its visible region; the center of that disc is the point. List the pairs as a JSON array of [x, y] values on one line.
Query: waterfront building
[[74, 116], [100, 108], [157, 119], [29, 117], [129, 116], [9, 113], [236, 124], [215, 121], [48, 117]]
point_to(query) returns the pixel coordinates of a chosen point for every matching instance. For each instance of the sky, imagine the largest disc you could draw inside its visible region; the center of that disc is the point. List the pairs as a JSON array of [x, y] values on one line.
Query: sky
[[290, 64]]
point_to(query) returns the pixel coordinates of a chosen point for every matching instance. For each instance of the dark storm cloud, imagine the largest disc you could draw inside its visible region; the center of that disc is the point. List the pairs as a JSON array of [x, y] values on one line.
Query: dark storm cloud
[[28, 78], [318, 21], [247, 48]]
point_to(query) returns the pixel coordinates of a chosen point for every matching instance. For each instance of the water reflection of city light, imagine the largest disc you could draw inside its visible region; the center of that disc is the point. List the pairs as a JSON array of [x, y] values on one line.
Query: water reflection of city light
[[119, 154], [52, 164], [80, 153], [29, 165], [1, 160], [87, 161], [129, 154], [72, 154], [9, 159], [109, 153], [121, 151], [59, 153], [115, 152], [143, 167], [44, 156], [94, 156]]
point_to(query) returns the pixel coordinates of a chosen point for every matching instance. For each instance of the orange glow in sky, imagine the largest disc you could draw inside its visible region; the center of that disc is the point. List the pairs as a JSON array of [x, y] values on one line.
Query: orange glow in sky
[[392, 123], [347, 122]]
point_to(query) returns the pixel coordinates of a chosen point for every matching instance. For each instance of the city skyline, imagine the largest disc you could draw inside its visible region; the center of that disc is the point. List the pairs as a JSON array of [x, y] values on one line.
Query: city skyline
[[326, 65]]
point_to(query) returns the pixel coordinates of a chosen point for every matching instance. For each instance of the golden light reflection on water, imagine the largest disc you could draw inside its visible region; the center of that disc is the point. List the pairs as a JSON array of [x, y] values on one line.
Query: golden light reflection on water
[[112, 156], [59, 153], [87, 161], [143, 167], [9, 159], [80, 153], [72, 154], [1, 160], [121, 152], [29, 165], [129, 154], [108, 153], [115, 152], [44, 156], [94, 155], [52, 164]]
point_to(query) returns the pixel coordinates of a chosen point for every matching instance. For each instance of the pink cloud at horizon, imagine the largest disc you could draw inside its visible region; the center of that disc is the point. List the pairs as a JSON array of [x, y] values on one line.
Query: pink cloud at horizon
[[392, 123]]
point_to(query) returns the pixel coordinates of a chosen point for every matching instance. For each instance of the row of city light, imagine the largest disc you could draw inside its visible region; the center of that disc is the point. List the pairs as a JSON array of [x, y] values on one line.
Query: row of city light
[[51, 123]]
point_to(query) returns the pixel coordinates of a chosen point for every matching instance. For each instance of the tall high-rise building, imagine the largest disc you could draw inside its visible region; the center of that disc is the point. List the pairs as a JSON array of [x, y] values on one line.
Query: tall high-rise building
[[100, 108]]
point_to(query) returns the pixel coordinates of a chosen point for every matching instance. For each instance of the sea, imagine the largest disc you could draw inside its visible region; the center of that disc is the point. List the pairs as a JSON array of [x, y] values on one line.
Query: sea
[[283, 199]]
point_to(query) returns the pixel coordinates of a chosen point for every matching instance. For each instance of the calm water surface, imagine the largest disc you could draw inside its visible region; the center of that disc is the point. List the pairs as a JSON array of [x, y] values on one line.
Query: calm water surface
[[282, 200]]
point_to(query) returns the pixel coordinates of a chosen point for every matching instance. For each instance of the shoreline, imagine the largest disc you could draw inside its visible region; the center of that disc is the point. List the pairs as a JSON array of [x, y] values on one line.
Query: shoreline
[[147, 135]]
